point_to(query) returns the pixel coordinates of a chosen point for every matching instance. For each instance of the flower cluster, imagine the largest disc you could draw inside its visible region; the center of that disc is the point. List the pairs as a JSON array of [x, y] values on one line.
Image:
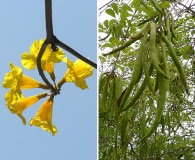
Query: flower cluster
[[16, 81]]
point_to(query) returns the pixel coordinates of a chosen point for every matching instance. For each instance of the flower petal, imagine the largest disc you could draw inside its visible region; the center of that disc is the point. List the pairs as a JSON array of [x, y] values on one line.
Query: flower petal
[[56, 56], [28, 61], [43, 118], [81, 83], [24, 103], [77, 72], [12, 96], [82, 69], [28, 82], [13, 77], [49, 67]]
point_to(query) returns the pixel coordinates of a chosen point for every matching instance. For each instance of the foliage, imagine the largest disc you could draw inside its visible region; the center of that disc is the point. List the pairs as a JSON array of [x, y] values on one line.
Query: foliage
[[151, 116]]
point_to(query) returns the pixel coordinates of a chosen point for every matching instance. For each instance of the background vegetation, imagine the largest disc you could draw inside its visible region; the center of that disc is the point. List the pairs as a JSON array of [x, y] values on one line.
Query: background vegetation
[[132, 125]]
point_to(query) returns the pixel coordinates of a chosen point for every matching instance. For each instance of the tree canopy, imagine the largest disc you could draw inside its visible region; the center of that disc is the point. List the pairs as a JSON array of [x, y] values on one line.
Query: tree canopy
[[146, 79]]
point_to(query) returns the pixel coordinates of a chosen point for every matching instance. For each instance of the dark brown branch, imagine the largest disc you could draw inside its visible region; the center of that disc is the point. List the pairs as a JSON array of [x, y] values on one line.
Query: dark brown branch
[[48, 17], [40, 70], [106, 4], [73, 52], [50, 38], [188, 8]]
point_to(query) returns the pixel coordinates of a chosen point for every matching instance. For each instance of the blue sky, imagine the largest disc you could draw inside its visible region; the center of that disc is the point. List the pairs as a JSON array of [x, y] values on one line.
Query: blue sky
[[75, 110]]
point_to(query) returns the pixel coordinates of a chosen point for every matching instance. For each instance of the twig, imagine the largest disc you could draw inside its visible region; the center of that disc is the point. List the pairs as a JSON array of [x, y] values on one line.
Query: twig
[[40, 70], [73, 52], [172, 8], [193, 12], [48, 17], [106, 4], [50, 38]]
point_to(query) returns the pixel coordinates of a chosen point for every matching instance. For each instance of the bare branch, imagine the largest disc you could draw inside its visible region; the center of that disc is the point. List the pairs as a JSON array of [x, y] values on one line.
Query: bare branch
[[73, 52]]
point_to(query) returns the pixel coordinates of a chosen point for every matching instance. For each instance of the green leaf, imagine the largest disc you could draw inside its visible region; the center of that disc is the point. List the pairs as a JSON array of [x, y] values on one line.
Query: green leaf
[[179, 37], [165, 4], [150, 12], [185, 52], [115, 7], [126, 8], [133, 29], [118, 29], [101, 28], [136, 4], [110, 12], [102, 58], [106, 23], [112, 22], [114, 40], [110, 45]]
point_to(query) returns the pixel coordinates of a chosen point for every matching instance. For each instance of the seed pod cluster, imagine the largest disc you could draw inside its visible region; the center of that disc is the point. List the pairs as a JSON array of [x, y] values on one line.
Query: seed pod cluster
[[151, 64], [110, 88]]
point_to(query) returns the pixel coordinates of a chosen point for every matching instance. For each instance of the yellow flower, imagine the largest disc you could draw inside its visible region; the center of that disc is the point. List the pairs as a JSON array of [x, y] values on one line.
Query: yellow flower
[[29, 59], [43, 118], [13, 77], [50, 69], [28, 82], [12, 96], [22, 104], [77, 72], [15, 80]]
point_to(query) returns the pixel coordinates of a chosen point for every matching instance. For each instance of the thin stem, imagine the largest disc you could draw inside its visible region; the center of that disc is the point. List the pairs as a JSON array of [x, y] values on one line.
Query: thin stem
[[73, 52], [40, 70], [172, 8], [193, 12], [106, 4], [50, 40], [48, 16]]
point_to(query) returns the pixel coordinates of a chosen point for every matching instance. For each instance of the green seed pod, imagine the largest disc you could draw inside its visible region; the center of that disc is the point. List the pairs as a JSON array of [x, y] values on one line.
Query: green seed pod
[[136, 71], [176, 62], [172, 27], [162, 122], [156, 6], [132, 39], [138, 93], [153, 52], [168, 26], [160, 106], [102, 80], [145, 69], [163, 85]]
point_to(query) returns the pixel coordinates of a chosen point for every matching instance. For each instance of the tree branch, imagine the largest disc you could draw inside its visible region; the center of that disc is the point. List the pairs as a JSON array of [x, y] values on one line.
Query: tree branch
[[50, 38], [40, 70], [48, 17], [73, 52], [188, 8]]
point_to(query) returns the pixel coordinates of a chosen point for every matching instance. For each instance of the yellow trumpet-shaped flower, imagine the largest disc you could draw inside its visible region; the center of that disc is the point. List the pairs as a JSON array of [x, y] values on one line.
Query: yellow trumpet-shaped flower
[[28, 82], [77, 72], [43, 118], [15, 79], [12, 96], [24, 103], [50, 69], [29, 59]]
